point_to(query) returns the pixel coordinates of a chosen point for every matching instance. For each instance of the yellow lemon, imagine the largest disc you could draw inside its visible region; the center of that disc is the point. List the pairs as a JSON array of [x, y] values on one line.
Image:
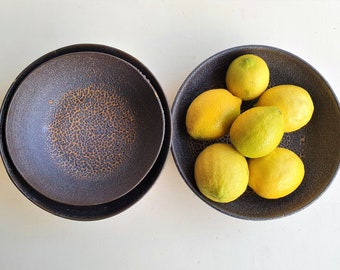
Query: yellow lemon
[[257, 131], [247, 76], [211, 114], [294, 102], [221, 173], [277, 174]]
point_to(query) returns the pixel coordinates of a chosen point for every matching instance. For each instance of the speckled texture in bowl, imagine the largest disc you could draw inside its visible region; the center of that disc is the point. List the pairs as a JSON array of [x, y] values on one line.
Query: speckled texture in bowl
[[85, 131]]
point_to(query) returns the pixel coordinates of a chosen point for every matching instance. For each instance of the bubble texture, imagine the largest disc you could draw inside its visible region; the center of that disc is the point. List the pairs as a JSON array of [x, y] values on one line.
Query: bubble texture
[[91, 132]]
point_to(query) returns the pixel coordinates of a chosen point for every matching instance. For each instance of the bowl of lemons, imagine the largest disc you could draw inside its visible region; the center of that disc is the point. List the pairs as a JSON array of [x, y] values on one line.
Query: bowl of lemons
[[254, 131]]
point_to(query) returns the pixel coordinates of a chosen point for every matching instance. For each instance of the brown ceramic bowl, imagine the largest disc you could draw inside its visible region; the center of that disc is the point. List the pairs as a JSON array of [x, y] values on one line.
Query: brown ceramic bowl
[[317, 143], [83, 132]]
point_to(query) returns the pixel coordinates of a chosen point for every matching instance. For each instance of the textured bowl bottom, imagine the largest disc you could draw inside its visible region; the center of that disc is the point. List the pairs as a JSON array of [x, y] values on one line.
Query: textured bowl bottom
[[92, 131]]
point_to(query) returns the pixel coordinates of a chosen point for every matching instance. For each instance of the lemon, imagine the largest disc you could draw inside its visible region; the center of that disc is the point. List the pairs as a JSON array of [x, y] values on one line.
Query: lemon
[[247, 76], [221, 173], [211, 114], [294, 102], [257, 131], [277, 174]]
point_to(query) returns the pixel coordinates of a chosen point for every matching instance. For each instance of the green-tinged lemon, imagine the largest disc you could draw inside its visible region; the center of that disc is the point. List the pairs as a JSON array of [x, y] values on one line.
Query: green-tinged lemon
[[257, 131], [221, 173], [247, 76]]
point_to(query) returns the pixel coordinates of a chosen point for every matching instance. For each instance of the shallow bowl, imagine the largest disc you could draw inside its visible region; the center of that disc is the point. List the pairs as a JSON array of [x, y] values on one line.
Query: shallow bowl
[[83, 128]]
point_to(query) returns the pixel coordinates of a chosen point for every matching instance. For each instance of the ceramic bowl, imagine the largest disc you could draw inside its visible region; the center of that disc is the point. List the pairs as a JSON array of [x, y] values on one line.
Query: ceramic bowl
[[84, 132], [317, 144]]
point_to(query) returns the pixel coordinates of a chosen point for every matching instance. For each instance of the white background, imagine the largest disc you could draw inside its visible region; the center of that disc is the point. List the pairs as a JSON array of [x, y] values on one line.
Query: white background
[[170, 228]]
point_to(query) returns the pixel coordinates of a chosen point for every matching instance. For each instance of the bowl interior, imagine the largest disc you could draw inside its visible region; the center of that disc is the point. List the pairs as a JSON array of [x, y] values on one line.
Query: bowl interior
[[316, 143], [84, 128]]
